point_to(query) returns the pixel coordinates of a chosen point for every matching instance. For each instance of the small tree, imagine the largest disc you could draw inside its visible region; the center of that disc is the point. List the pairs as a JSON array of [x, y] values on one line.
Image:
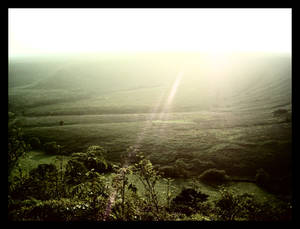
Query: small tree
[[169, 190], [148, 177], [120, 184]]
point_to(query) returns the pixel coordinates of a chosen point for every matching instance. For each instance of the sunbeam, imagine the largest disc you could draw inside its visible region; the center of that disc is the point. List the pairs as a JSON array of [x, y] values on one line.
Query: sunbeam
[[171, 95], [162, 114]]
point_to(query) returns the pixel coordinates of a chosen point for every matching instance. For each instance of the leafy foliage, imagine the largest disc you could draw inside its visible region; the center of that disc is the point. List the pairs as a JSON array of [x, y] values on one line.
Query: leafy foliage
[[80, 191]]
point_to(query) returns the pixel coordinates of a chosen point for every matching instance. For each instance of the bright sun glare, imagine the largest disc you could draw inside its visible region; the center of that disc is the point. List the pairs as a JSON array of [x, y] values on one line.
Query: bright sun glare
[[56, 31]]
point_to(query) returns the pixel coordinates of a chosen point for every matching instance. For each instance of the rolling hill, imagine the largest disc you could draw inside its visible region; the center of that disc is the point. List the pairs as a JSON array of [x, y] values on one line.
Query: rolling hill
[[248, 82], [219, 114]]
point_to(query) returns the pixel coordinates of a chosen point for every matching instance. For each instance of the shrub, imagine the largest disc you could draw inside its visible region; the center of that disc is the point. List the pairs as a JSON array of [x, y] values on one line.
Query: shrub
[[55, 210], [200, 166], [81, 163], [180, 163], [214, 176], [181, 167], [228, 206], [94, 158], [96, 150], [35, 143], [262, 178], [279, 112], [169, 171], [176, 171], [75, 172], [250, 209], [51, 148], [43, 171]]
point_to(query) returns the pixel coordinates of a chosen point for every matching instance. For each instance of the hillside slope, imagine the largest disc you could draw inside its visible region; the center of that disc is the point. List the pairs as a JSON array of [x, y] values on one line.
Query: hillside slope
[[115, 85]]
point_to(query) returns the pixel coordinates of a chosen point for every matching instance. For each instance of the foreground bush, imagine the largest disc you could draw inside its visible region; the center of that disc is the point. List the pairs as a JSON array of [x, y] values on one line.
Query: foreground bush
[[231, 207], [82, 192], [57, 210], [41, 184], [188, 201], [228, 206]]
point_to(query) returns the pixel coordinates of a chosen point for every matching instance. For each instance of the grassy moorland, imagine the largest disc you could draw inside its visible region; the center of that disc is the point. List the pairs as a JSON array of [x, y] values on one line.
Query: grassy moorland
[[231, 114]]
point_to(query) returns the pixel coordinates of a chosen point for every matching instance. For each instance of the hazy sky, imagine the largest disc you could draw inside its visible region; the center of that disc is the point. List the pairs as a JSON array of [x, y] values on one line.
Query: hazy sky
[[45, 31]]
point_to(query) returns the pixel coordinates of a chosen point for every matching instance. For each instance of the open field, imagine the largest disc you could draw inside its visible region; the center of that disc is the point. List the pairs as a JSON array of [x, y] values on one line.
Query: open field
[[247, 143]]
